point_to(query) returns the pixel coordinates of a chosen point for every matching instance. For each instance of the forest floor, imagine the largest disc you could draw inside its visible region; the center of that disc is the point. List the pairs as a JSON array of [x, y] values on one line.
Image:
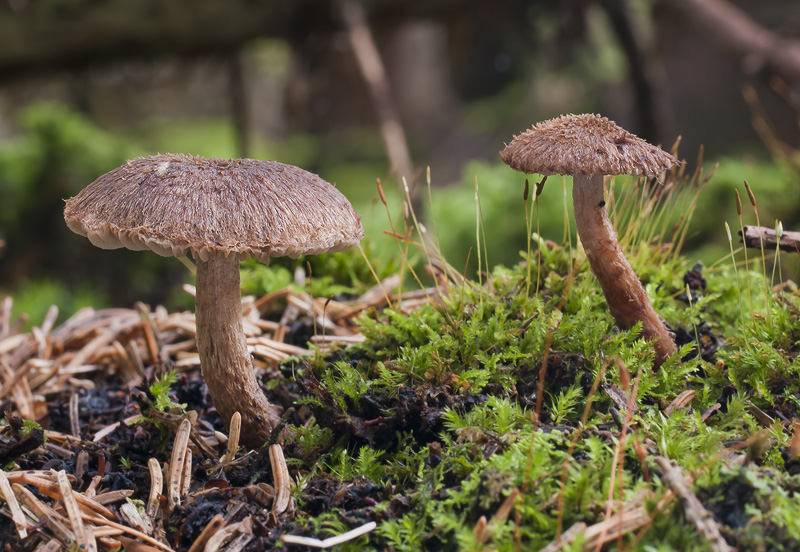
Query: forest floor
[[507, 413]]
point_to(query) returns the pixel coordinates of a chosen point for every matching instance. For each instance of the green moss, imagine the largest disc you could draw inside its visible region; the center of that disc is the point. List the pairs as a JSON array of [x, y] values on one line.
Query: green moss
[[438, 405]]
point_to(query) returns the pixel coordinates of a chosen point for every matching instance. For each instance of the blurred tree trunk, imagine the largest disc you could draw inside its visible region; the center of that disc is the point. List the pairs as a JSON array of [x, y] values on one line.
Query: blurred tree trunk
[[643, 70], [53, 34]]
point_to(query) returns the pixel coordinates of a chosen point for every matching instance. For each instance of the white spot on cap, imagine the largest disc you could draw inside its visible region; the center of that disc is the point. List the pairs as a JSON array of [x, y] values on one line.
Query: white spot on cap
[[161, 168]]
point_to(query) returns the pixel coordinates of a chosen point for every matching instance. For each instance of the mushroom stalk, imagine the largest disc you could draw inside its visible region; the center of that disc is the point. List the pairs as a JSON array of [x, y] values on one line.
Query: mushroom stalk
[[226, 365], [626, 298]]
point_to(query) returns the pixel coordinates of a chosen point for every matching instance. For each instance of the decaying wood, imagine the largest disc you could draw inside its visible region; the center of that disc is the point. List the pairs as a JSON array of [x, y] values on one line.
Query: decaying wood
[[81, 464], [263, 494], [693, 508], [758, 236], [19, 389], [132, 545], [630, 518], [100, 435], [91, 490]]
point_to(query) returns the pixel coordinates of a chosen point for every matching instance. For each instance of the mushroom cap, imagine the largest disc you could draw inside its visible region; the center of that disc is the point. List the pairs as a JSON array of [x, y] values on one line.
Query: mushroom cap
[[171, 203], [584, 144]]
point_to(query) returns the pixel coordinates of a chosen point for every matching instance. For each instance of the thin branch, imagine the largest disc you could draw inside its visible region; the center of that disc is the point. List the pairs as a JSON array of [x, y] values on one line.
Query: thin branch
[[733, 31], [374, 73], [693, 508], [752, 236]]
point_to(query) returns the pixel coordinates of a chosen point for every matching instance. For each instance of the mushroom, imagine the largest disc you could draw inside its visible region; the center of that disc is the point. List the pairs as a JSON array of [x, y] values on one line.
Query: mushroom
[[222, 211], [588, 147]]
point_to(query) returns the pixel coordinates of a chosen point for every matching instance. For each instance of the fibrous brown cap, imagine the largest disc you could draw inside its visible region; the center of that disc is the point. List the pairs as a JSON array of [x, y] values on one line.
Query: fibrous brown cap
[[171, 203], [584, 144]]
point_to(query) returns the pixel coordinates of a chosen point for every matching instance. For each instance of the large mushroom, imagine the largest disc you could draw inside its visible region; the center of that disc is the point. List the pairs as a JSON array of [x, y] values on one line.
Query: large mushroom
[[222, 211], [588, 147]]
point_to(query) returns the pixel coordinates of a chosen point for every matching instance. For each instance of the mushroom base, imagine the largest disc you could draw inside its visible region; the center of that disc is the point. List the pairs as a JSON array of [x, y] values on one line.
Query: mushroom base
[[225, 362], [626, 298]]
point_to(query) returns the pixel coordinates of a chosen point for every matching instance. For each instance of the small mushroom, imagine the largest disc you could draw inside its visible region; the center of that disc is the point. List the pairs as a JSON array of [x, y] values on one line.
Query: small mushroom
[[222, 211], [588, 147]]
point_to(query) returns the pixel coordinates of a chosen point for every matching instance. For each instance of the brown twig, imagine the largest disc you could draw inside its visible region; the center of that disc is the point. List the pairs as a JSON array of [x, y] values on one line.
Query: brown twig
[[752, 236], [733, 31], [694, 510], [374, 73]]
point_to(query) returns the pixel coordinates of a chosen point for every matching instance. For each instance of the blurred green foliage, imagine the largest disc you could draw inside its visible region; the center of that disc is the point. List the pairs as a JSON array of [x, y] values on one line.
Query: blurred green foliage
[[34, 298], [503, 212], [58, 152], [774, 185], [347, 273], [453, 216], [54, 141]]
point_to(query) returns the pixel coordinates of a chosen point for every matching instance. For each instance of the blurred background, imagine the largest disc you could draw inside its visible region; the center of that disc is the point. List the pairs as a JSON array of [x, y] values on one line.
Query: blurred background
[[356, 91]]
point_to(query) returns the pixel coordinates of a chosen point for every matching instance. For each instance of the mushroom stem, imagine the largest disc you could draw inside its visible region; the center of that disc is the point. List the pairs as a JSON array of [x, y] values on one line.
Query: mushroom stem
[[224, 360], [626, 298]]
